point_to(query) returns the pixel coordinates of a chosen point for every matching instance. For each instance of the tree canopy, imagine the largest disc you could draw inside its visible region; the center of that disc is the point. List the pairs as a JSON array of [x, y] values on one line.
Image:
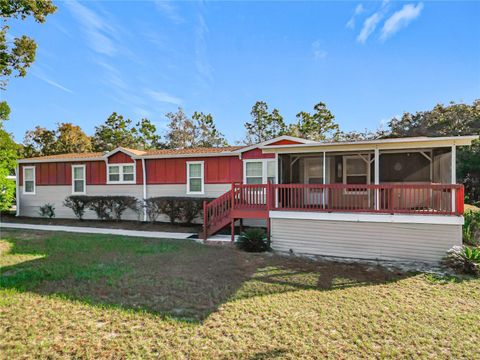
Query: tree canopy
[[320, 125], [67, 138], [264, 125], [16, 56]]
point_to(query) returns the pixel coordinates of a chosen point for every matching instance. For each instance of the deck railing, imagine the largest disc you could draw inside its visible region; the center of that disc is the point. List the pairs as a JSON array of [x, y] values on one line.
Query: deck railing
[[439, 199]]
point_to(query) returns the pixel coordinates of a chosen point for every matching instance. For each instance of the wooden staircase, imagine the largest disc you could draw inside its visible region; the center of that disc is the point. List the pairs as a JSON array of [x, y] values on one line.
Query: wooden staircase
[[241, 202]]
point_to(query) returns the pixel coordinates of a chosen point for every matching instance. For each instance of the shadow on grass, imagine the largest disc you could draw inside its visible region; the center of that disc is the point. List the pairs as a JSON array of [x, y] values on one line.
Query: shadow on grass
[[177, 279]]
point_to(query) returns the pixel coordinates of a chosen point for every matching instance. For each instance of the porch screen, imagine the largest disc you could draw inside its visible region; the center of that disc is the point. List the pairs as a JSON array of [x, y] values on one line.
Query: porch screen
[[404, 167], [355, 170]]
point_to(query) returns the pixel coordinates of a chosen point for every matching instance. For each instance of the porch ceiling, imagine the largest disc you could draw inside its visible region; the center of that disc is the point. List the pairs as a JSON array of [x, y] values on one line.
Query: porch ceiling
[[384, 144]]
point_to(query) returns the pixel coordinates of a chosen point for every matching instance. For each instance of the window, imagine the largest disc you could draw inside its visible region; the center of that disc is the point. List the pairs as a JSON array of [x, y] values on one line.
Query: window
[[121, 174], [355, 170], [195, 177], [254, 172], [260, 171], [78, 179], [29, 180]]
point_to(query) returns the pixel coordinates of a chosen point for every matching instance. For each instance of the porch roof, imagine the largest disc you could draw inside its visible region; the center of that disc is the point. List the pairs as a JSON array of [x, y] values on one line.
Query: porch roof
[[397, 143]]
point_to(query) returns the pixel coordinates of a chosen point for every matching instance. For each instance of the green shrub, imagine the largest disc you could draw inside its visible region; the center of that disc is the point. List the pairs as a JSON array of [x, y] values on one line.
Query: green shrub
[[253, 240], [471, 228], [47, 210], [78, 204], [183, 209], [112, 207], [463, 259], [190, 209]]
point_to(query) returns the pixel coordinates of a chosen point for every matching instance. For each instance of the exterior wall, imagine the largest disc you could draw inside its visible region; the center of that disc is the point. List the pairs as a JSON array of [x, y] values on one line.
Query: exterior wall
[[257, 154], [174, 171], [368, 240], [29, 204], [120, 158], [285, 142]]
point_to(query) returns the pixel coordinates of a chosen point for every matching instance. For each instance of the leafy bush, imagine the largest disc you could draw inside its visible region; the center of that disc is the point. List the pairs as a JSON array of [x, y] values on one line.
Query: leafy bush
[[463, 259], [153, 208], [253, 240], [47, 210], [101, 206], [78, 204], [471, 228], [112, 207], [183, 209], [190, 209]]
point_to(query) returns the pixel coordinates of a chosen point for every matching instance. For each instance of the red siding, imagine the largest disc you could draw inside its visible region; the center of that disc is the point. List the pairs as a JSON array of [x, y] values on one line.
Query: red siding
[[285, 142], [96, 173], [60, 173], [139, 172], [257, 154], [174, 171], [120, 158]]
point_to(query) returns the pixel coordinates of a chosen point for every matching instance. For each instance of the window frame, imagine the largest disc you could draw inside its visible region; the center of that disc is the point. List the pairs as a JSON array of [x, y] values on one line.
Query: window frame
[[34, 180], [345, 175], [202, 177], [84, 180], [121, 173], [264, 169]]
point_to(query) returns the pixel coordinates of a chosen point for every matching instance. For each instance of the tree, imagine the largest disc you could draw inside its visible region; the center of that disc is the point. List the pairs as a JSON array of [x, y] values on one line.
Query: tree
[[451, 120], [16, 56], [115, 132], [67, 138], [8, 157], [205, 131], [147, 137], [264, 125], [71, 139], [317, 126], [181, 130], [39, 142]]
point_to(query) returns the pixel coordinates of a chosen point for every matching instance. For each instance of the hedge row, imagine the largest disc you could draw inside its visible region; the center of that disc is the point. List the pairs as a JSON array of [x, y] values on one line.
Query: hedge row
[[181, 209]]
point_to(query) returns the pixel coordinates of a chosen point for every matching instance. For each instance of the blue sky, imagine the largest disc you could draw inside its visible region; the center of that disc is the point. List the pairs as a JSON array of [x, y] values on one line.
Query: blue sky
[[368, 61]]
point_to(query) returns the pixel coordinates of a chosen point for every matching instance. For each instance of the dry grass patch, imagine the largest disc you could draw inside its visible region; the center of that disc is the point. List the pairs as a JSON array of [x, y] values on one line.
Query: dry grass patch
[[178, 299]]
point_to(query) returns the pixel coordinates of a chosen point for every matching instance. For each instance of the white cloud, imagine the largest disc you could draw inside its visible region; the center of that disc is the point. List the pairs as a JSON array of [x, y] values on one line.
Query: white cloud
[[369, 27], [99, 33], [166, 7], [318, 52], [400, 19], [359, 9], [51, 82], [164, 97], [202, 63]]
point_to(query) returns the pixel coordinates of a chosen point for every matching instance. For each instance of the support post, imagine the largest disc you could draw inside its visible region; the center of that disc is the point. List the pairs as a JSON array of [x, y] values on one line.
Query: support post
[[324, 174], [454, 176], [376, 165], [205, 220], [144, 176], [232, 228], [17, 189]]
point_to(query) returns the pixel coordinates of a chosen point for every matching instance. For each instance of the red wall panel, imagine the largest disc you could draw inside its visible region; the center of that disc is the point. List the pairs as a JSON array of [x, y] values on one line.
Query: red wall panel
[[139, 172], [96, 173], [174, 171], [257, 154], [120, 158]]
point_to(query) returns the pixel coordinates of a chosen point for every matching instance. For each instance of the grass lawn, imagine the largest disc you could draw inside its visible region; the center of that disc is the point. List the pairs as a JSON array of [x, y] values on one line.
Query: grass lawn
[[92, 296]]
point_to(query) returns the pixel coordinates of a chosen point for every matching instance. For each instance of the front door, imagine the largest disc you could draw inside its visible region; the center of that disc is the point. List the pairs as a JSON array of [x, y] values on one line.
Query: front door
[[313, 174]]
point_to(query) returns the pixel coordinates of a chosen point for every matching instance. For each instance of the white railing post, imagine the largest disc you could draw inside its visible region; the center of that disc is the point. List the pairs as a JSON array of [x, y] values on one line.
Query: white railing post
[[454, 176], [376, 165]]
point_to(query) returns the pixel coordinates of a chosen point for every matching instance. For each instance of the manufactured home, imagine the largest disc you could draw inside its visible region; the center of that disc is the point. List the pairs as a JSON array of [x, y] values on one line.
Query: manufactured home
[[392, 199]]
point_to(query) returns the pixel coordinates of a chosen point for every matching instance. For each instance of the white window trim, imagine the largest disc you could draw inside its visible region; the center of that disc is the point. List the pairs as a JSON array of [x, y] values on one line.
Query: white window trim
[[34, 180], [202, 171], [120, 172], [84, 180], [264, 169], [353, 192]]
